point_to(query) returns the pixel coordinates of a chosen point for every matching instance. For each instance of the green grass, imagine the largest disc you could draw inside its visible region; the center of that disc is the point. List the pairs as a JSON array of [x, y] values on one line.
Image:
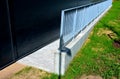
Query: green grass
[[98, 56], [112, 19]]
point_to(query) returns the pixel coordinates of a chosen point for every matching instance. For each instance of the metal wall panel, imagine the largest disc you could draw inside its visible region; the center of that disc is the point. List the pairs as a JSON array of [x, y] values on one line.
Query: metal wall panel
[[6, 54], [75, 20]]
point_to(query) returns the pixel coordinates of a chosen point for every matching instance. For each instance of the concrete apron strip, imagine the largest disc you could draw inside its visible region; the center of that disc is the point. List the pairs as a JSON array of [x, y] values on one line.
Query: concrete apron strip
[[42, 58]]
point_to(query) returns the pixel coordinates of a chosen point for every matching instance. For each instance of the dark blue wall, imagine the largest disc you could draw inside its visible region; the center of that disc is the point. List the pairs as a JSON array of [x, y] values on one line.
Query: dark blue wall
[[6, 53]]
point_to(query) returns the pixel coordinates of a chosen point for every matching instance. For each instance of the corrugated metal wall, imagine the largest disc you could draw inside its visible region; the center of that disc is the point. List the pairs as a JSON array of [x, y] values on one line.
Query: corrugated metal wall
[[75, 20]]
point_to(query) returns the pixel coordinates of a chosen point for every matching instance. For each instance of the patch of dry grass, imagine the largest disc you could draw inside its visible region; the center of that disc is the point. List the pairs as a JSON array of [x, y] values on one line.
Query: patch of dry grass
[[103, 31], [89, 77], [30, 73]]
